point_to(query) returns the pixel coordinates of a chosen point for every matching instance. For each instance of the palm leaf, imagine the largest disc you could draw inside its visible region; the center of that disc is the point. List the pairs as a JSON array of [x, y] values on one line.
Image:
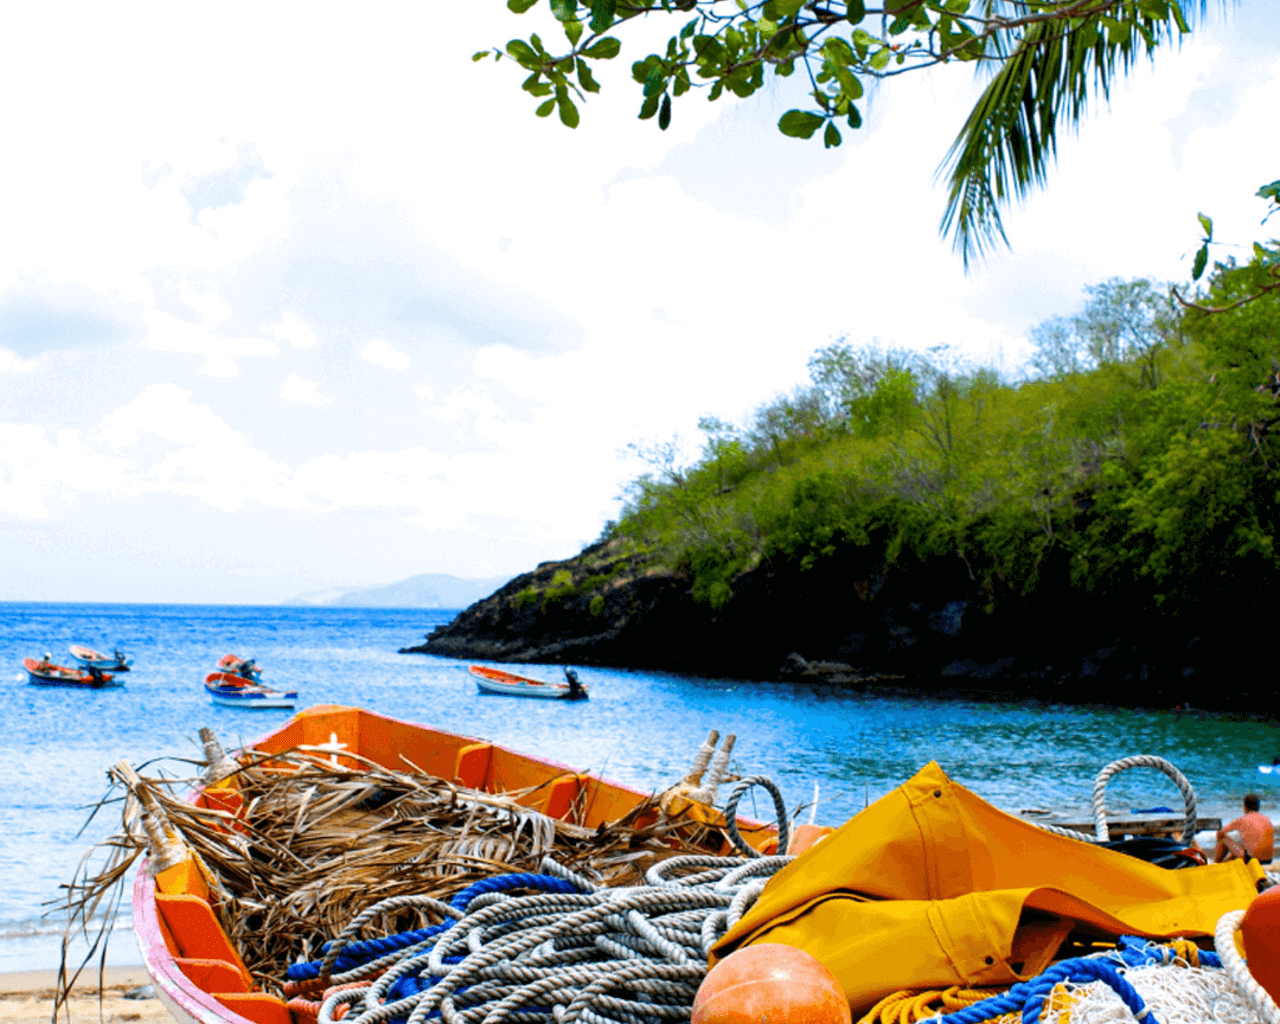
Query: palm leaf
[[1047, 73]]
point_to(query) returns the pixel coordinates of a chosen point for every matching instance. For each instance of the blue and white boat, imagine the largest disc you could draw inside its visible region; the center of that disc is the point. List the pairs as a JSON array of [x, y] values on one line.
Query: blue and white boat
[[235, 691]]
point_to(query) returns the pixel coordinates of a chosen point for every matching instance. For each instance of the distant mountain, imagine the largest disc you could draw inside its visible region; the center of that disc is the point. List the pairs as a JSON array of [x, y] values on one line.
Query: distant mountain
[[430, 590]]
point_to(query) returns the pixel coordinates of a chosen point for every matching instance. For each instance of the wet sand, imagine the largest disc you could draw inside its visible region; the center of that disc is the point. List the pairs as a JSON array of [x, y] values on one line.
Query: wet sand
[[26, 997]]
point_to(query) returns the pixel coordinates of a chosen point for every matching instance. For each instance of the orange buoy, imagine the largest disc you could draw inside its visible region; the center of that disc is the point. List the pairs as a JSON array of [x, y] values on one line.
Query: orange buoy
[[770, 983], [1261, 932]]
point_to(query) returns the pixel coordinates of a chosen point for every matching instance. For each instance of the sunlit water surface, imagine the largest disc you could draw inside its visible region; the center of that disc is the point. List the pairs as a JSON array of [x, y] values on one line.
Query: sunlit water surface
[[638, 727]]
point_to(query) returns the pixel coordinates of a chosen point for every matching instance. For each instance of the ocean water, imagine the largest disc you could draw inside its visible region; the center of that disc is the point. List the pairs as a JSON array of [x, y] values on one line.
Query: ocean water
[[641, 728]]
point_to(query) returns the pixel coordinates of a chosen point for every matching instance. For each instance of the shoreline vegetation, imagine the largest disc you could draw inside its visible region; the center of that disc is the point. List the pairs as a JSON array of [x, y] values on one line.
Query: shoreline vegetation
[[1100, 533]]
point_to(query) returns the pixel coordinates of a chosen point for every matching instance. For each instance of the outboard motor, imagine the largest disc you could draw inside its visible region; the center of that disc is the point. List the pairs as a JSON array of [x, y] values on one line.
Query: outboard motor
[[576, 692]]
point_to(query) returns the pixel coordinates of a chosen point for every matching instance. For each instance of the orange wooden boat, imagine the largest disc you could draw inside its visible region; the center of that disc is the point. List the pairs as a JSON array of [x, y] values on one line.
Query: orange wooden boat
[[198, 973]]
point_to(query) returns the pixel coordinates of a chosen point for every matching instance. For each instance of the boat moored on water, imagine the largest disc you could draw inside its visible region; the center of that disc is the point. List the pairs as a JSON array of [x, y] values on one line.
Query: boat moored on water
[[235, 691], [494, 680], [46, 673], [89, 658]]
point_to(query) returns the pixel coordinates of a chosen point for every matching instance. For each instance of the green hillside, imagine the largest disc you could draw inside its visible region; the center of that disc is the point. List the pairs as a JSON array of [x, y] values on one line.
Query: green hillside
[[1137, 465]]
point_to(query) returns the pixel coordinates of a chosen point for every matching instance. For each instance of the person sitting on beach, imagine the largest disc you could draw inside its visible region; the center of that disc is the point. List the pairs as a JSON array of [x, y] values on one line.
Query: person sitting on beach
[[1257, 836]]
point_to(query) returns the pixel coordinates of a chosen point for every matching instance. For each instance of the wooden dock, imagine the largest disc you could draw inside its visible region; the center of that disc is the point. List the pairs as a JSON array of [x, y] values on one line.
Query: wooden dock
[[1170, 828]]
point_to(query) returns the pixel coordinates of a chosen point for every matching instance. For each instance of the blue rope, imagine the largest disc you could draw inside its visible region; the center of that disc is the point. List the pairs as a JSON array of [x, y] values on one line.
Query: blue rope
[[356, 954], [1027, 998]]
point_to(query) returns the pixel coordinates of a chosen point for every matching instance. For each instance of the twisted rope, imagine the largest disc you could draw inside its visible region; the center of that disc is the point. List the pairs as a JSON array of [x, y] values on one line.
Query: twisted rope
[[572, 952], [1141, 761], [1224, 941], [1102, 832], [779, 807]]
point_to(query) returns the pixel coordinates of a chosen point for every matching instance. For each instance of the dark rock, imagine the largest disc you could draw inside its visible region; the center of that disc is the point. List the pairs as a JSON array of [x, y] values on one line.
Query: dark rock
[[860, 624]]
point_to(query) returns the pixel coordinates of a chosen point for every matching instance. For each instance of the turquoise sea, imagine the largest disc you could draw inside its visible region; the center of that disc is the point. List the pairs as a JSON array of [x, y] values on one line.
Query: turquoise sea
[[641, 728]]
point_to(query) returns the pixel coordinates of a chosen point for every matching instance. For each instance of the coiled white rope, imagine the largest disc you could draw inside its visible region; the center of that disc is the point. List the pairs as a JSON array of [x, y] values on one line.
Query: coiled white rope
[[630, 955]]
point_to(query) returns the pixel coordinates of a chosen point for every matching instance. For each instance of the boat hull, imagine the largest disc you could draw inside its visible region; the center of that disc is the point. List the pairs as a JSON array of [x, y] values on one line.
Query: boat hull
[[551, 788], [232, 691], [508, 684], [257, 703], [67, 678]]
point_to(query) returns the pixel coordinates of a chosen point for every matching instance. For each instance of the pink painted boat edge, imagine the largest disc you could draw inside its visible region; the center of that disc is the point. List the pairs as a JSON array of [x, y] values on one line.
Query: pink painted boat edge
[[186, 1003]]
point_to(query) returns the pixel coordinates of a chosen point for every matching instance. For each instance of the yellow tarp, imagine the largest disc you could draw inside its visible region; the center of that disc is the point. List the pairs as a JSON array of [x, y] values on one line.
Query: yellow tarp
[[931, 886]]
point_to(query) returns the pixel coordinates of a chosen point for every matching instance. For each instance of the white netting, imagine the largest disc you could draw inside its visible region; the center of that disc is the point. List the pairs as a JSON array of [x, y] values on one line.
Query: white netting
[[1174, 995]]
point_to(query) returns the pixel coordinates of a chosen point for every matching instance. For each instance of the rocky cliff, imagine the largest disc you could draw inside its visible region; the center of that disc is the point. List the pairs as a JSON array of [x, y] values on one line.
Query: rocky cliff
[[927, 628]]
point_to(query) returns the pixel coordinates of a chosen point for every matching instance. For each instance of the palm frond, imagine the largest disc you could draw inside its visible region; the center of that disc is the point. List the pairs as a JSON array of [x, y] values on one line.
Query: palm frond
[[1048, 71]]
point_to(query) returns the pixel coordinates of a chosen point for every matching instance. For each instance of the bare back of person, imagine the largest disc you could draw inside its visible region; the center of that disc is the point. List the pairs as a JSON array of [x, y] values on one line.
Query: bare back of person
[[1257, 838]]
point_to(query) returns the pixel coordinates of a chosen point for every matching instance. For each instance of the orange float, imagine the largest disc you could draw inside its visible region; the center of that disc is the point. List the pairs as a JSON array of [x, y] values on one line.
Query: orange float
[[772, 983], [1261, 933]]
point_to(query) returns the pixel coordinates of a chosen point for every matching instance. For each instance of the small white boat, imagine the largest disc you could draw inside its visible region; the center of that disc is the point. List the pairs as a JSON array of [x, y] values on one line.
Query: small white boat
[[494, 680], [233, 691], [89, 658]]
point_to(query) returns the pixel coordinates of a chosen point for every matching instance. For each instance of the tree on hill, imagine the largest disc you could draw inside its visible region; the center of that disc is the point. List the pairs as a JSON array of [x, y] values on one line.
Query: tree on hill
[[1045, 59]]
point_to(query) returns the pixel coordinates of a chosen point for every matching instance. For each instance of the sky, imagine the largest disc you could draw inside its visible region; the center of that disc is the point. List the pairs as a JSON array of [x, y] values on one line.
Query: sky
[[300, 296]]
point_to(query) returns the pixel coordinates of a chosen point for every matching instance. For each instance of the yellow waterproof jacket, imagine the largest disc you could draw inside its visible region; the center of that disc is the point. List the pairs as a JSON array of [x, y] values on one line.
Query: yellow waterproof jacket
[[931, 886]]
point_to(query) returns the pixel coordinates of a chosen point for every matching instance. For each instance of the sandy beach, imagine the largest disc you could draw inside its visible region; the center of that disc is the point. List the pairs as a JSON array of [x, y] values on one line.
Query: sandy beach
[[26, 997]]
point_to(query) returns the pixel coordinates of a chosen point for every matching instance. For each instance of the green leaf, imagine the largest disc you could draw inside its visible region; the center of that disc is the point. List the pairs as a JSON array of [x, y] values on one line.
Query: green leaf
[[1207, 224], [546, 108], [1202, 257], [788, 8], [585, 78], [650, 106], [799, 124], [855, 10], [520, 6], [1271, 192], [522, 51], [480, 55], [603, 49], [855, 118], [655, 80], [563, 10], [664, 115], [880, 59], [573, 29], [602, 14], [568, 112], [831, 137]]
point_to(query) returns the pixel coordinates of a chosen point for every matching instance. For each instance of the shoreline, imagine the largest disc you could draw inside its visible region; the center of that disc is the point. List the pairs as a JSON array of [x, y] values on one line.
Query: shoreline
[[26, 997]]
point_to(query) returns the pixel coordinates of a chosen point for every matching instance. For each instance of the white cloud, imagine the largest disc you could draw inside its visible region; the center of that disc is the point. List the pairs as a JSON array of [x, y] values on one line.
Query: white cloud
[[169, 334], [213, 462], [382, 354], [294, 331], [424, 391], [295, 389], [11, 361], [33, 470]]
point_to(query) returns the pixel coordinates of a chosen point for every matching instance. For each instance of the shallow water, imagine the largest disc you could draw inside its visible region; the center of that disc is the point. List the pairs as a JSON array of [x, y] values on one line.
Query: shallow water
[[641, 728]]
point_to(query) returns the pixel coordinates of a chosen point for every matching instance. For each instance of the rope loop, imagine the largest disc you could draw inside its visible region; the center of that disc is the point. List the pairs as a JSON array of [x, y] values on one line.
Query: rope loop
[[1141, 761], [779, 807]]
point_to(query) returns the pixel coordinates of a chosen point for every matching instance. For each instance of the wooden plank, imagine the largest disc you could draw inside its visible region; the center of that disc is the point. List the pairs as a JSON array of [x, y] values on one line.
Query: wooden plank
[[1141, 826]]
